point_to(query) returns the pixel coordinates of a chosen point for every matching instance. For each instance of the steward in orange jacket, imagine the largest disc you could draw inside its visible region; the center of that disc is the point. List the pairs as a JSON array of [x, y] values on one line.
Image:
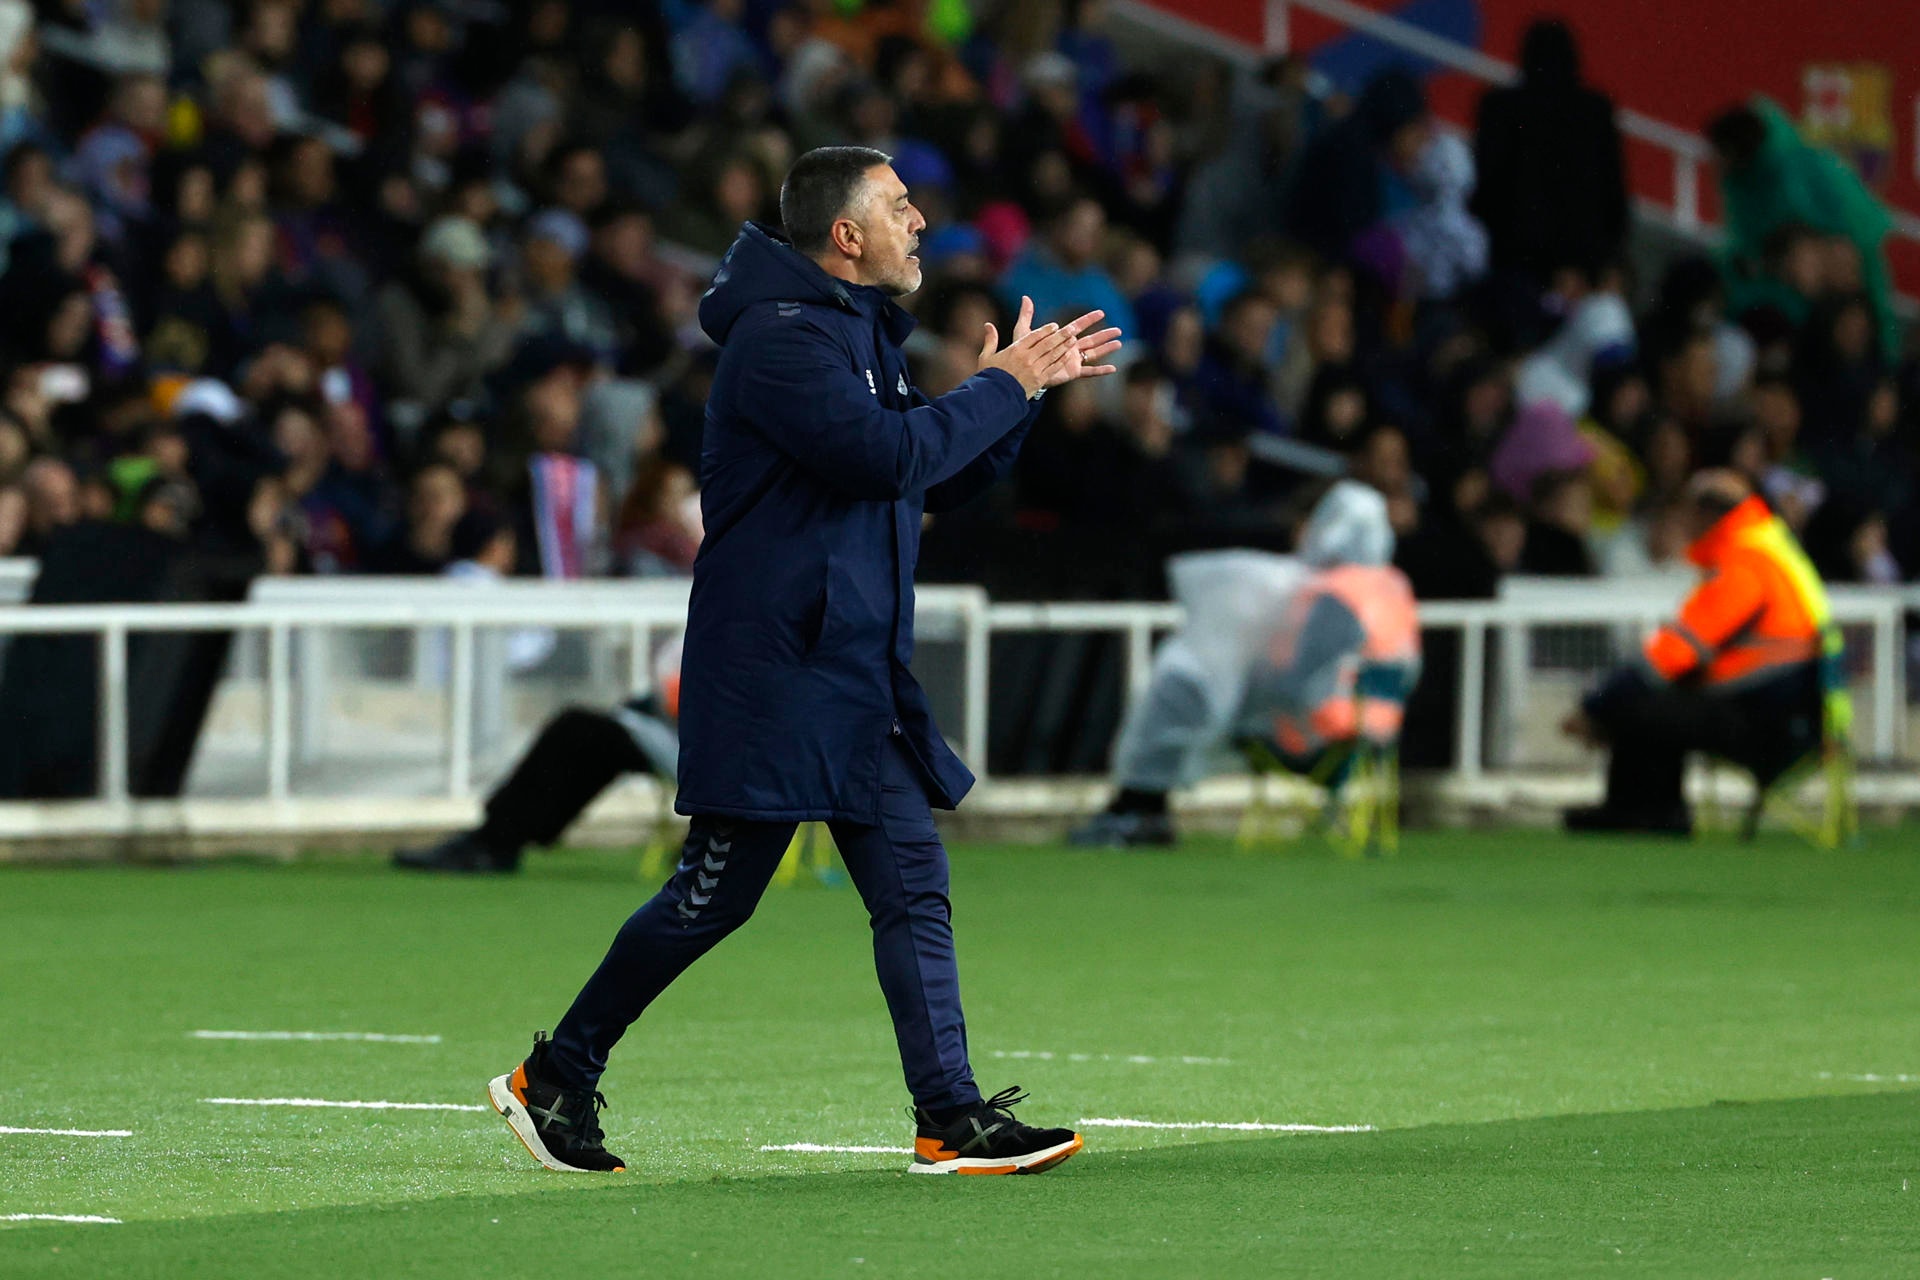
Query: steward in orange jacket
[[1736, 674]]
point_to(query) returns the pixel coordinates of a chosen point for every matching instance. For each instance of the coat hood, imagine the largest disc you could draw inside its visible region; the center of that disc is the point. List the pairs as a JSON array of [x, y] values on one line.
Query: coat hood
[[763, 266], [1348, 526]]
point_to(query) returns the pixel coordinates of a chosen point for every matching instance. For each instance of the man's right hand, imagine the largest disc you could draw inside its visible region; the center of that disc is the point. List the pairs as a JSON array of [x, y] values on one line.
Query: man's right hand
[[1032, 357]]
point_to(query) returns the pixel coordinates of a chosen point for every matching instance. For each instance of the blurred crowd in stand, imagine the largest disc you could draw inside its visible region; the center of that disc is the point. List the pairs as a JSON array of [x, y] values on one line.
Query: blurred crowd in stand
[[350, 287]]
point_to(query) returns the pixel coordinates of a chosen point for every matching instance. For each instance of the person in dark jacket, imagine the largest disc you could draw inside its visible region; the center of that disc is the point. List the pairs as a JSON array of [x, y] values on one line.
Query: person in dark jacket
[[1552, 187], [1340, 189], [817, 463]]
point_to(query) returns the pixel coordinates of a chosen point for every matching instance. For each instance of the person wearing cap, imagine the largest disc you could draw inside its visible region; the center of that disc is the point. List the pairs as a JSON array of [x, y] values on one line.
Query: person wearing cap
[[440, 332], [1736, 673], [557, 304], [818, 462]]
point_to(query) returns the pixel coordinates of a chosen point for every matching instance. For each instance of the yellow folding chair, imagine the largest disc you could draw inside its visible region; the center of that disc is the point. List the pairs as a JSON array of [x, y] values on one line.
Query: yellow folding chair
[[661, 852], [1351, 796], [809, 852], [1834, 818]]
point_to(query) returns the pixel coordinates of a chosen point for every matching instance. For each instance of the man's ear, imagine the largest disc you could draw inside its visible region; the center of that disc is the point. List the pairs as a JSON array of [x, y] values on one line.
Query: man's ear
[[847, 237]]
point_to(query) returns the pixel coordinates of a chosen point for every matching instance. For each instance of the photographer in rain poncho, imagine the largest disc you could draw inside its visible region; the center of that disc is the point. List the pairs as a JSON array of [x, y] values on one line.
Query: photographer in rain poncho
[[1302, 656]]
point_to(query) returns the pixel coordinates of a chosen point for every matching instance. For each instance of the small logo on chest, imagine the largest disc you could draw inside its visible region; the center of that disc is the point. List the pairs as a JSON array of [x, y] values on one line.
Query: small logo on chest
[[871, 385], [902, 388]]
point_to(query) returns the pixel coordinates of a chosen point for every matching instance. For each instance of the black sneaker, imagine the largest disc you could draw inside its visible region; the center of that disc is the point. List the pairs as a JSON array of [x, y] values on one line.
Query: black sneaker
[[1124, 831], [559, 1127], [988, 1139], [468, 853]]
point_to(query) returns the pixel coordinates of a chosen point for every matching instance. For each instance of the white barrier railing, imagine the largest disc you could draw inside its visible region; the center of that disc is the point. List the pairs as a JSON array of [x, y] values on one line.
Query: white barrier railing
[[964, 615]]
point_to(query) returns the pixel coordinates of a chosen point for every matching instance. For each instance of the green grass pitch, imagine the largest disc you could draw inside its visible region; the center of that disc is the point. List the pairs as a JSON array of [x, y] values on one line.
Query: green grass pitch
[[1578, 1058]]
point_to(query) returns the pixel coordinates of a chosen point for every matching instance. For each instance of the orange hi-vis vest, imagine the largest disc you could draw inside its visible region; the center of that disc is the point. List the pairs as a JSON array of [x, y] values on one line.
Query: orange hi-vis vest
[[1760, 609]]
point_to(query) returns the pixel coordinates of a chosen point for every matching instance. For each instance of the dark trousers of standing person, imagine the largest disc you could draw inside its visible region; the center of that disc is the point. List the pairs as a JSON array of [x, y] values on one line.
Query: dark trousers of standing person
[[900, 869], [1650, 729]]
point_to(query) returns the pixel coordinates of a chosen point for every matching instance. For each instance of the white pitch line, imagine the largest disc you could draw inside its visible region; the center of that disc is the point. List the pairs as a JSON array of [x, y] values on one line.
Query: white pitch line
[[815, 1148], [57, 1217], [355, 1106], [1872, 1078], [1246, 1125], [73, 1133], [366, 1037], [1136, 1059]]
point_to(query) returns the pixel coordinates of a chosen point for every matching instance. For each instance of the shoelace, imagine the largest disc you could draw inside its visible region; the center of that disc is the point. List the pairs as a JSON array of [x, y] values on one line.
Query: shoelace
[[591, 1105], [1003, 1102], [999, 1105]]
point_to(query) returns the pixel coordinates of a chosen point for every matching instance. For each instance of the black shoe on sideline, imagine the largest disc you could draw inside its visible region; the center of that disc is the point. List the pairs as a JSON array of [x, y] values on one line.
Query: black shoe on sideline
[[464, 854], [1124, 831], [559, 1127], [1601, 819], [987, 1139]]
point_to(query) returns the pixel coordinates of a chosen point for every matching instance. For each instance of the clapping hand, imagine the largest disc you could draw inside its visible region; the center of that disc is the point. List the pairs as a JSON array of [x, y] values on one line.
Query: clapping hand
[[1089, 347], [1078, 357]]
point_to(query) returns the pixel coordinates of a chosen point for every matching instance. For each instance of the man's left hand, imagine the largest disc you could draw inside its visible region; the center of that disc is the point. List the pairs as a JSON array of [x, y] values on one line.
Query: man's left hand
[[1089, 348]]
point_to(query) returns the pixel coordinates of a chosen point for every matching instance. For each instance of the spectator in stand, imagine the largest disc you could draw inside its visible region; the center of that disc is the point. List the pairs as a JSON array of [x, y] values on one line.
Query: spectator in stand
[[1543, 442], [357, 92], [735, 191], [1064, 275], [557, 305], [327, 341], [619, 273], [560, 504], [442, 333], [1561, 525], [1552, 187], [1068, 470], [1336, 411], [53, 502], [1385, 463], [709, 46], [1232, 379], [1839, 371], [658, 532], [1770, 178], [1445, 245], [337, 521], [1670, 459], [1338, 192], [436, 504], [184, 325]]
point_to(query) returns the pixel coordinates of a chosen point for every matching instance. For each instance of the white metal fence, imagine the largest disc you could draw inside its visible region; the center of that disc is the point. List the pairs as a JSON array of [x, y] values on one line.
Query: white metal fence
[[303, 647]]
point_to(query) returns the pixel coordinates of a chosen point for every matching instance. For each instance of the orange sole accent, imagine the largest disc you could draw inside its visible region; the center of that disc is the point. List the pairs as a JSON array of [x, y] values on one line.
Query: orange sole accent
[[1053, 1161]]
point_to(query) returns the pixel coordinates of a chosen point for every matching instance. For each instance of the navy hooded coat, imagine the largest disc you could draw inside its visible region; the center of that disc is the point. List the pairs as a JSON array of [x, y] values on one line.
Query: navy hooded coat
[[818, 459]]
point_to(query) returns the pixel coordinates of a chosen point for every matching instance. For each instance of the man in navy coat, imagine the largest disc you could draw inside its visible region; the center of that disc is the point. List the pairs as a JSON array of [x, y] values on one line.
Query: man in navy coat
[[797, 704]]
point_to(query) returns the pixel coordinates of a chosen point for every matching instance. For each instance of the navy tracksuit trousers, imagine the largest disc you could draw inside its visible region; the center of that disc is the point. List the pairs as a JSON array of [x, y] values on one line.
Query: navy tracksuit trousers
[[900, 868]]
